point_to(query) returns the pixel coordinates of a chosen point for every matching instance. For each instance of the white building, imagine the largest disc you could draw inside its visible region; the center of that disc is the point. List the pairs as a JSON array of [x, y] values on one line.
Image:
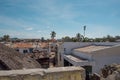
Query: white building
[[91, 56], [23, 47]]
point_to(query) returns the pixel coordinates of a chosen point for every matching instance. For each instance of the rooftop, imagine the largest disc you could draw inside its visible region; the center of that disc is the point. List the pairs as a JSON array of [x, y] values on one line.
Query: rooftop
[[13, 60], [29, 45], [23, 45], [75, 59], [91, 48], [43, 44]]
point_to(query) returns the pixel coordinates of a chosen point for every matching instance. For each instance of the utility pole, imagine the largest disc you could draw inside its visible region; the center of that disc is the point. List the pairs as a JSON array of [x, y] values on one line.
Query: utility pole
[[84, 30]]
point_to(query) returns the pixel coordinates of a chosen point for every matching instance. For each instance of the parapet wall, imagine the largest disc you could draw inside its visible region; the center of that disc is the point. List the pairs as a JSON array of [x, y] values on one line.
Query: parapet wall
[[60, 73]]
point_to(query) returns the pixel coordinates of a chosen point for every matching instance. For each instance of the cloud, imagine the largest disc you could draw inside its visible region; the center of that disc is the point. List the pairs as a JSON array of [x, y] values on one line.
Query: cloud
[[19, 34], [42, 14], [43, 31], [10, 21], [12, 33], [48, 27], [52, 10], [96, 30], [16, 23], [29, 28], [39, 31]]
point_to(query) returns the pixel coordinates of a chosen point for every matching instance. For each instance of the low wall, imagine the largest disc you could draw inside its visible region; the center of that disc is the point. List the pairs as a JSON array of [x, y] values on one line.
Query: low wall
[[60, 73]]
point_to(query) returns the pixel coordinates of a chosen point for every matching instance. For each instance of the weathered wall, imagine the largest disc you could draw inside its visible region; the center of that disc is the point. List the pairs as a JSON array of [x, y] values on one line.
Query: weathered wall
[[72, 45], [106, 57], [82, 55], [61, 73], [69, 46]]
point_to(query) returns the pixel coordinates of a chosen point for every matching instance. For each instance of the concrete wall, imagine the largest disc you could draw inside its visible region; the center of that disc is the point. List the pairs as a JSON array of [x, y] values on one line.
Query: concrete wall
[[72, 45], [106, 43], [69, 49], [82, 55], [61, 73], [22, 49], [106, 57]]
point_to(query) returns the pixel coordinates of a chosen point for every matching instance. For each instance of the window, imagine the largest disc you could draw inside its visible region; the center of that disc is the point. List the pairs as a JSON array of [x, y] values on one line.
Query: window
[[25, 51], [17, 50]]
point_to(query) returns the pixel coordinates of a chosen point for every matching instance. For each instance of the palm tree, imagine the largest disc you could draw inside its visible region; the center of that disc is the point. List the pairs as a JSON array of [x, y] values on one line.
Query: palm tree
[[6, 37], [79, 37], [53, 34]]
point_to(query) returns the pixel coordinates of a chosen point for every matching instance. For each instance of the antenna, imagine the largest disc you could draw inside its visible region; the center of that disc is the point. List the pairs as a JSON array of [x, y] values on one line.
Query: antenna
[[84, 30]]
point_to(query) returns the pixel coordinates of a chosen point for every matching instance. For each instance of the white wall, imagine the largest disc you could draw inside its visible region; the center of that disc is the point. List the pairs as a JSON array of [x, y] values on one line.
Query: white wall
[[106, 57], [22, 49], [72, 45], [87, 56], [69, 48], [106, 43]]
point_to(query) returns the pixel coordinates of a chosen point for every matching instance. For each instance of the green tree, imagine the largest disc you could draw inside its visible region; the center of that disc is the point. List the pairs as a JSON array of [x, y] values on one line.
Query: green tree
[[74, 39], [53, 34], [86, 39], [67, 39], [98, 40], [79, 37], [6, 38], [117, 37], [110, 38], [42, 39]]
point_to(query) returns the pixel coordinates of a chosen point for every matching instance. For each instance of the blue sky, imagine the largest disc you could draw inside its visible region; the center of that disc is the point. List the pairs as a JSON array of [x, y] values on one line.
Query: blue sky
[[37, 18]]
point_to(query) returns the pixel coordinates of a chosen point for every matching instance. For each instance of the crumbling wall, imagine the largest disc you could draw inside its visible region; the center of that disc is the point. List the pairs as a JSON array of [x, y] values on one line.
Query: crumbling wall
[[61, 73], [111, 72]]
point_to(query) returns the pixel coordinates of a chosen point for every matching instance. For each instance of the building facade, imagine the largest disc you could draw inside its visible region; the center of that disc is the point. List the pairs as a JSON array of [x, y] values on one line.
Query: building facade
[[92, 56]]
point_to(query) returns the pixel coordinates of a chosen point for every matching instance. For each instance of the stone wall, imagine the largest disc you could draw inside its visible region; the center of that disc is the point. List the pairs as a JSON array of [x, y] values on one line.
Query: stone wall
[[110, 72], [60, 73]]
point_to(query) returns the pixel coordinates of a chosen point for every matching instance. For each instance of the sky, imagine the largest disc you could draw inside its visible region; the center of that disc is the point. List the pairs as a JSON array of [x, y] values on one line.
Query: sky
[[37, 18]]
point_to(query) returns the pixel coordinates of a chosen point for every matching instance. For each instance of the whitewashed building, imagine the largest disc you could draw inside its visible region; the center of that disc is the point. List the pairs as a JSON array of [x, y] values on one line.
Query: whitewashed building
[[91, 55]]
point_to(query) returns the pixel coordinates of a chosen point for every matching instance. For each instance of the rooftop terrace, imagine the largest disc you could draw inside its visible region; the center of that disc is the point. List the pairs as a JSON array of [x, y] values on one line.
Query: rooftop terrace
[[91, 48]]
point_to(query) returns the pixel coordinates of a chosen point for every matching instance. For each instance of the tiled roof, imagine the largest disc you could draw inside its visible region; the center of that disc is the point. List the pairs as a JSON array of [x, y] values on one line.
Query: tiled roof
[[43, 45], [23, 45]]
